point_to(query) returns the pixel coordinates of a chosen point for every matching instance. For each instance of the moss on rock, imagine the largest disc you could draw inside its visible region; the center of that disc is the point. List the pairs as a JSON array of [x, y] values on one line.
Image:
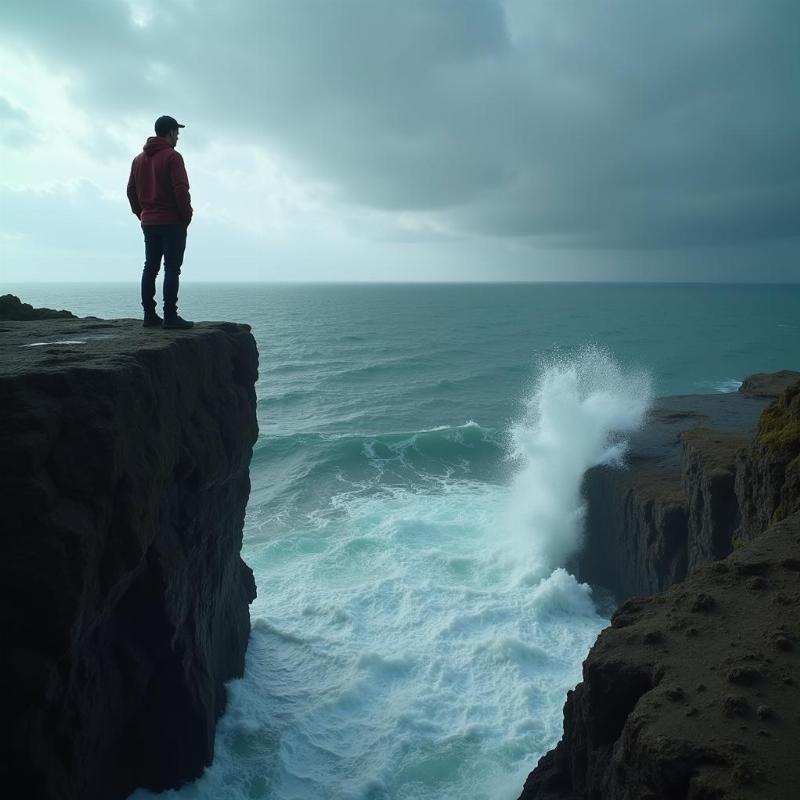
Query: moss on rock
[[779, 425]]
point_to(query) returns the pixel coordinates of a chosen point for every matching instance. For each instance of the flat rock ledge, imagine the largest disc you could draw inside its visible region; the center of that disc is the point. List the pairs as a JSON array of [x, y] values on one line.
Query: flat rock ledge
[[124, 476]]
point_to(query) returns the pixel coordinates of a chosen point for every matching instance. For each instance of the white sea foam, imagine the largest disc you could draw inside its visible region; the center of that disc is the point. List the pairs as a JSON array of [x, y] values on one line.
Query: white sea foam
[[393, 655], [721, 386], [395, 659], [728, 385]]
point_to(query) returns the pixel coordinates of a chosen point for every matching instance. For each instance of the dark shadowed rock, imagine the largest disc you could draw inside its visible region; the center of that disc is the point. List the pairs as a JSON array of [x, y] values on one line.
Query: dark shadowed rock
[[124, 475], [740, 620], [668, 511], [768, 384], [12, 308], [633, 729], [768, 472], [708, 478], [691, 481]]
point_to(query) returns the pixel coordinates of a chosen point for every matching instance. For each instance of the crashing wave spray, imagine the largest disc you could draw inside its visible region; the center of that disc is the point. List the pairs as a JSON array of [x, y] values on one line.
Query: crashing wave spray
[[575, 418]]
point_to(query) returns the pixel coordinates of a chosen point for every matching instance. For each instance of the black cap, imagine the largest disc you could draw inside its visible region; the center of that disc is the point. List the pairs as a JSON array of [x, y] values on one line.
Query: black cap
[[166, 124]]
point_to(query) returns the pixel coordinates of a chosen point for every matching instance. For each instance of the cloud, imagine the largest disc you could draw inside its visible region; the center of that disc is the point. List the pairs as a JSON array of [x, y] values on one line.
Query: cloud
[[564, 125], [16, 130]]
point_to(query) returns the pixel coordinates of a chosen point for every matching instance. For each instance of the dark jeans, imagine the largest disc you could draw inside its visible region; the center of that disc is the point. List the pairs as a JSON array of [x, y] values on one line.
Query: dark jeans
[[168, 241]]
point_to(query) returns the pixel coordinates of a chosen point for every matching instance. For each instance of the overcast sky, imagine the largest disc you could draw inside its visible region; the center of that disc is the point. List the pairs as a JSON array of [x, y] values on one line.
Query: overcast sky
[[409, 139]]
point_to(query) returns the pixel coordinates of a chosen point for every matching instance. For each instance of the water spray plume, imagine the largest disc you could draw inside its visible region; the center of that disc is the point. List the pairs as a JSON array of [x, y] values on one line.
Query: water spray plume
[[575, 418]]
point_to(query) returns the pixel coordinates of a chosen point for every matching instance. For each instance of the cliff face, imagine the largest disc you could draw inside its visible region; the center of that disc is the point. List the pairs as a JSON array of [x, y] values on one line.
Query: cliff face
[[768, 474], [675, 506], [123, 598], [636, 531], [693, 693], [708, 477]]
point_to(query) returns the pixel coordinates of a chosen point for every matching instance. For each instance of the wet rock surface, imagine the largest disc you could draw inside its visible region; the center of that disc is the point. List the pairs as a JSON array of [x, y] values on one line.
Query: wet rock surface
[[124, 476]]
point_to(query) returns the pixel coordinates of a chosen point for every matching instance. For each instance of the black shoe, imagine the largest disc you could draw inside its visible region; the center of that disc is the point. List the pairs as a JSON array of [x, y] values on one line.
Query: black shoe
[[151, 320], [176, 324]]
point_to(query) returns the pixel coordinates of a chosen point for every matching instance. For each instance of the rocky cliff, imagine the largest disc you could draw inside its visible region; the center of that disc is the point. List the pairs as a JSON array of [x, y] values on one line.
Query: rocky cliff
[[12, 308], [124, 476], [694, 693], [673, 507], [768, 473]]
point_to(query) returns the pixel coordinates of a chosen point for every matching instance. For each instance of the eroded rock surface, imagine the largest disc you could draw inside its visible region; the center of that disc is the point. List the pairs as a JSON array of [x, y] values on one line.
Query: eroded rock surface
[[694, 693], [124, 475], [708, 481], [12, 308], [674, 506], [768, 475], [768, 384]]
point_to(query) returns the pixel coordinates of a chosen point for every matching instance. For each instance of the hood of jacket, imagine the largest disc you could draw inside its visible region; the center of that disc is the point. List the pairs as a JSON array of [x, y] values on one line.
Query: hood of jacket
[[155, 144]]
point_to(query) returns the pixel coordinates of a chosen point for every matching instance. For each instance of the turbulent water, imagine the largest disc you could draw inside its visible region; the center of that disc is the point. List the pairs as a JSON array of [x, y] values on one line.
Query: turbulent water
[[415, 495]]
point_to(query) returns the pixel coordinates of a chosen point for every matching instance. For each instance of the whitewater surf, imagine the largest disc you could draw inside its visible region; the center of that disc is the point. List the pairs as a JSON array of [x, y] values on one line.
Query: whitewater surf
[[415, 634]]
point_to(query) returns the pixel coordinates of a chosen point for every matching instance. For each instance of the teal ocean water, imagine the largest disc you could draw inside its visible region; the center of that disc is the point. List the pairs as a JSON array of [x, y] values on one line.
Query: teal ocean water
[[415, 494]]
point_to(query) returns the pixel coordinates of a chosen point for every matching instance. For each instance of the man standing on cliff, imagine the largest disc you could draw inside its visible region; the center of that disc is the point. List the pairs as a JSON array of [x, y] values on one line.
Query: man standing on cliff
[[158, 191]]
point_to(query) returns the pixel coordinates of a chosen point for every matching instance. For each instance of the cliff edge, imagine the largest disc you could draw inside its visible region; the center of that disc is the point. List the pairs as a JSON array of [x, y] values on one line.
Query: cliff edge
[[124, 476], [692, 693], [695, 693], [675, 505]]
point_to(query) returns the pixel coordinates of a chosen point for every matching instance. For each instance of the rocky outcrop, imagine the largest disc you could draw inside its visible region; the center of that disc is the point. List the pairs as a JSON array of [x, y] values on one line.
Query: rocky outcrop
[[636, 522], [674, 506], [768, 473], [708, 478], [12, 308], [124, 475], [768, 384], [693, 693]]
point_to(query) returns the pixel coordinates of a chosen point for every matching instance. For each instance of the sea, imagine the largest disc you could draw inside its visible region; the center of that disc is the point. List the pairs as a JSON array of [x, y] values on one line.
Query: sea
[[415, 498]]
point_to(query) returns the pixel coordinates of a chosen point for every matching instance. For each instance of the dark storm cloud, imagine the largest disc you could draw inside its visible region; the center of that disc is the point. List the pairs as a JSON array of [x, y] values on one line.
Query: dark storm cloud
[[614, 124]]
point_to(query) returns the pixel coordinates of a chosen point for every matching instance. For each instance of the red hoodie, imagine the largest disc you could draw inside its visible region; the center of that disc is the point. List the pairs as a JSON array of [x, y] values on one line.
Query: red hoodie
[[158, 189]]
